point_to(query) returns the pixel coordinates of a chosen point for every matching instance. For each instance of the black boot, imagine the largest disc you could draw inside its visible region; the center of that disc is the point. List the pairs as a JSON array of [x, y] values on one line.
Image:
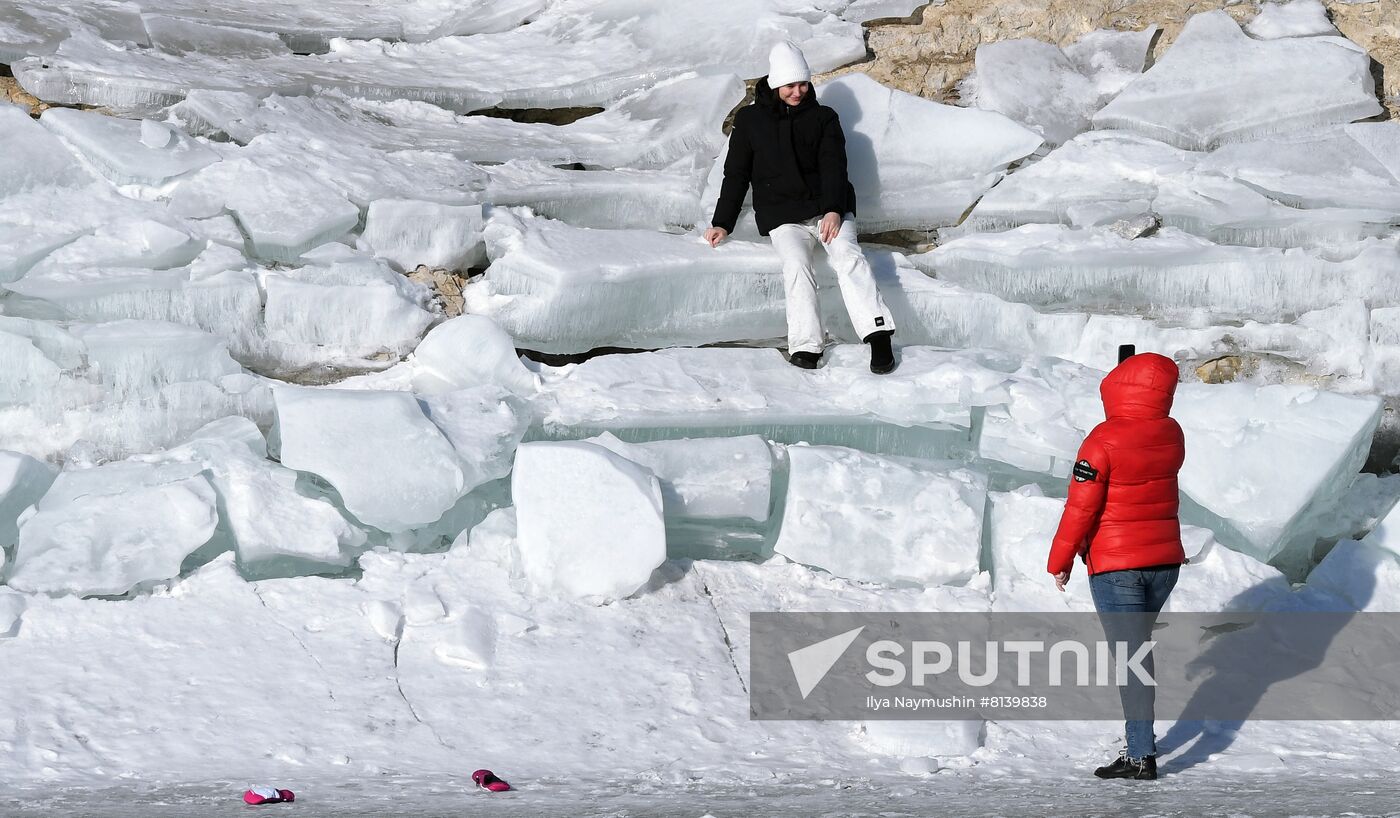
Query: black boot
[[881, 353], [1143, 769], [805, 360]]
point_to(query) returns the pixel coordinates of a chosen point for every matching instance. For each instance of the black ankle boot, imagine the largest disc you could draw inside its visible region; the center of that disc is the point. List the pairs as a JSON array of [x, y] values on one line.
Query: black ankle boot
[[881, 352], [805, 360], [1143, 769]]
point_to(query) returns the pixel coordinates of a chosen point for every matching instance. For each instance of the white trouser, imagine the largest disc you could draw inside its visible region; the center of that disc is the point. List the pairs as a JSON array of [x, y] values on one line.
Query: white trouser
[[794, 243]]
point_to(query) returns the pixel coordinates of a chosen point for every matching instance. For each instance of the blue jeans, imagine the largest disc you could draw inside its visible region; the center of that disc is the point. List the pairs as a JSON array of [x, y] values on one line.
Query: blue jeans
[[1141, 591]]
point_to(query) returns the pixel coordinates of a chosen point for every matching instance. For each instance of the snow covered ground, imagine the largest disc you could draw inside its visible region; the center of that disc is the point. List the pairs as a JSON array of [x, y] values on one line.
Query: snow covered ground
[[267, 515]]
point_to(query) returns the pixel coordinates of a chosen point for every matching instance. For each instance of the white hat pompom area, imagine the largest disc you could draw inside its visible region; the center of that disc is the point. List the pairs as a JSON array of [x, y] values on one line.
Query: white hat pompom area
[[786, 65]]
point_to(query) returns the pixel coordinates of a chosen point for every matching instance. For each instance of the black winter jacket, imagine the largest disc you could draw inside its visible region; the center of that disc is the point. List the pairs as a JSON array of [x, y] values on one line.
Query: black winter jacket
[[795, 157]]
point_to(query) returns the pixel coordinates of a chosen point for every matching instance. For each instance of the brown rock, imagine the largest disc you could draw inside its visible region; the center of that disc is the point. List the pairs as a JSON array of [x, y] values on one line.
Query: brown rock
[[11, 92], [1226, 369], [446, 286]]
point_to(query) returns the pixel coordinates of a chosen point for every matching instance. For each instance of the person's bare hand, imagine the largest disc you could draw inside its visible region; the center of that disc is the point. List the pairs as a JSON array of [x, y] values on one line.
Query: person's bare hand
[[830, 226], [715, 235], [1060, 580]]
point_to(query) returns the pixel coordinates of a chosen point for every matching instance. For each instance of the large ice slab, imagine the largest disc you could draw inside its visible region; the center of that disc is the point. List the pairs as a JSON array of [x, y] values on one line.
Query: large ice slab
[[393, 468], [559, 288], [363, 174], [135, 358], [346, 302], [651, 128], [881, 519], [1169, 273], [32, 158], [706, 478], [108, 529], [38, 221], [212, 293], [913, 163], [128, 151], [1054, 91], [1264, 465], [134, 242], [180, 36], [269, 520], [115, 388], [590, 522], [682, 292], [1231, 82], [924, 409], [1215, 578], [1329, 168], [1034, 83], [1103, 176], [653, 200], [30, 27], [408, 233], [1260, 461], [283, 213]]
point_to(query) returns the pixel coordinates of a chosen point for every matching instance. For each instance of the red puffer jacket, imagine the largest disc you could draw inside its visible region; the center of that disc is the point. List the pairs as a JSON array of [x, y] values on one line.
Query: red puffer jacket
[[1122, 506]]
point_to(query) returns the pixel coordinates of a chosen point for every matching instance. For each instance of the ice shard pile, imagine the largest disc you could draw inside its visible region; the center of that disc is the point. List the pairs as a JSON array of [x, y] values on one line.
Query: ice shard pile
[[242, 440]]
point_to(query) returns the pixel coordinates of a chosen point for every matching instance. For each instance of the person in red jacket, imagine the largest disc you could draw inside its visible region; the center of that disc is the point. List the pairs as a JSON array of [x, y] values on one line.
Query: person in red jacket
[[1121, 519]]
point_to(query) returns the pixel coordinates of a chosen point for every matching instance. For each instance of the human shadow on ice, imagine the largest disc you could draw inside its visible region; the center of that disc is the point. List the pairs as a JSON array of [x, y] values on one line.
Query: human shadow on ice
[[862, 166], [1242, 692]]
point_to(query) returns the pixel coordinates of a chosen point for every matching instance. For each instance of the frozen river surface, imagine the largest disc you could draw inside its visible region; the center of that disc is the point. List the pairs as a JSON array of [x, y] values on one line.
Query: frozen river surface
[[942, 794]]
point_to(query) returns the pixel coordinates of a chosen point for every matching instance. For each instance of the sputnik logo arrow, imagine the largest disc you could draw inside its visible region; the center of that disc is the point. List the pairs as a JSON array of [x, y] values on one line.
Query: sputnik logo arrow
[[811, 664]]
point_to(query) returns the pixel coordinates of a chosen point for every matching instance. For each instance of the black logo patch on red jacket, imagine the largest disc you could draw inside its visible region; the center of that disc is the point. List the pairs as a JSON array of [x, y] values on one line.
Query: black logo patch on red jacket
[[1083, 472]]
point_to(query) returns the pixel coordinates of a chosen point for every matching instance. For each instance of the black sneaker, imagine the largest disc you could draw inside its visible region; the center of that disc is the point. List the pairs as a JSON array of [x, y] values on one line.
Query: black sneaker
[[881, 352], [1143, 769], [805, 360]]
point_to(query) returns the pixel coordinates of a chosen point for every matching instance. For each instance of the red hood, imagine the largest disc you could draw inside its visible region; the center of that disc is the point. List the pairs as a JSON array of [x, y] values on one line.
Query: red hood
[[1141, 387]]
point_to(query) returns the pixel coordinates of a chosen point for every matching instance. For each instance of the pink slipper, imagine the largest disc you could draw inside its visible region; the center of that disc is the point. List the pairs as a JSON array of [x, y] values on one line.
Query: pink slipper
[[487, 780], [268, 795]]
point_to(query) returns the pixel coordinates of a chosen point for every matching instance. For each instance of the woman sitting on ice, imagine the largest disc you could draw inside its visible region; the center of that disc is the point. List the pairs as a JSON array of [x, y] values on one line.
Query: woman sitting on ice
[[794, 153]]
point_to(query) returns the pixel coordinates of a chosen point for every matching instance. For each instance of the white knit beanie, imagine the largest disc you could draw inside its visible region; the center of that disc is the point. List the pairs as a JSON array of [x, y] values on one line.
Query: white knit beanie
[[787, 65]]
